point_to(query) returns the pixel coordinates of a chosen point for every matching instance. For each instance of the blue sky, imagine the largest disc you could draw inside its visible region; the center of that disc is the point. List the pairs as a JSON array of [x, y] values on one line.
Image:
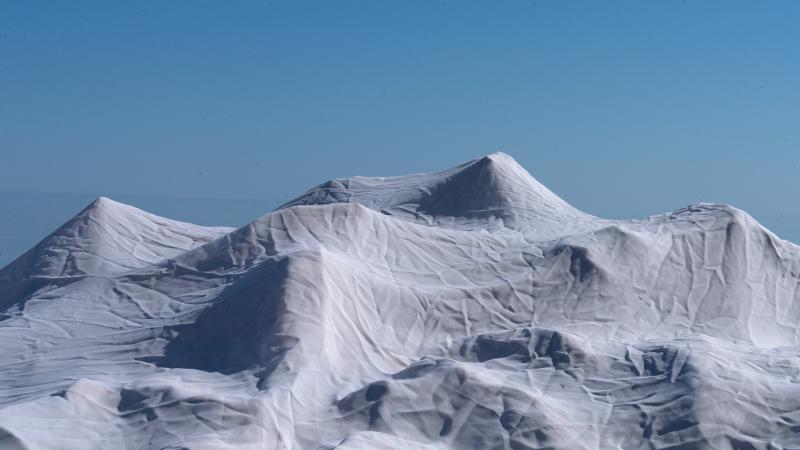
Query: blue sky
[[623, 108]]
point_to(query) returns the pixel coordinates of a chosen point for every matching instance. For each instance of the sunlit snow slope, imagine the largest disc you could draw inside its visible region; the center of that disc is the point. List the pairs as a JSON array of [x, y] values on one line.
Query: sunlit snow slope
[[470, 308]]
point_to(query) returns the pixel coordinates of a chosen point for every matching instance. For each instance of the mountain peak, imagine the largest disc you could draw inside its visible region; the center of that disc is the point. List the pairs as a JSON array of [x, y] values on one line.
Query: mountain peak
[[107, 237], [498, 157], [103, 209], [105, 203], [487, 192]]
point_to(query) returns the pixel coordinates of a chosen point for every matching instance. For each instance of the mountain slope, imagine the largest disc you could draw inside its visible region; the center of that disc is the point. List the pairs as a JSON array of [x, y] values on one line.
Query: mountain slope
[[104, 239], [469, 308], [485, 193]]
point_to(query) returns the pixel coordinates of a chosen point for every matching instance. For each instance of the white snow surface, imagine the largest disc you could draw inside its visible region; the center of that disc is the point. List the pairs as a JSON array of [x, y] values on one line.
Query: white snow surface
[[469, 308]]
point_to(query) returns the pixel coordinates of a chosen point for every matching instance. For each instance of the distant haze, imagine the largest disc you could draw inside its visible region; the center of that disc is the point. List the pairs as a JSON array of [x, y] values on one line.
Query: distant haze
[[29, 217]]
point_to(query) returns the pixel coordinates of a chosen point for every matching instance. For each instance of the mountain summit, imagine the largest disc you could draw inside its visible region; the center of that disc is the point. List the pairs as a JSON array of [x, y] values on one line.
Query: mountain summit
[[104, 239], [488, 192]]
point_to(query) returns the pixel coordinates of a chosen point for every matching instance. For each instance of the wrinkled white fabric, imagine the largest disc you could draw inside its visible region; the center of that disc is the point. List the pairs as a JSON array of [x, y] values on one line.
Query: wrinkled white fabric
[[470, 308]]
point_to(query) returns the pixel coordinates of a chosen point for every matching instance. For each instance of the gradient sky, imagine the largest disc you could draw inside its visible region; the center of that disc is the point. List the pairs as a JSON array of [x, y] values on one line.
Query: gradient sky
[[623, 108]]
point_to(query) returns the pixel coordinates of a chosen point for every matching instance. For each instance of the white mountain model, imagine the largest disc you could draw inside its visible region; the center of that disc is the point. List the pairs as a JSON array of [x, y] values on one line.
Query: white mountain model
[[470, 308]]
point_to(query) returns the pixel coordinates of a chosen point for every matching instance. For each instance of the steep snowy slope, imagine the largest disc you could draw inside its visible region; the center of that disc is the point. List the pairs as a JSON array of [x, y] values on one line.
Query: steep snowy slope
[[470, 308], [492, 192], [104, 239]]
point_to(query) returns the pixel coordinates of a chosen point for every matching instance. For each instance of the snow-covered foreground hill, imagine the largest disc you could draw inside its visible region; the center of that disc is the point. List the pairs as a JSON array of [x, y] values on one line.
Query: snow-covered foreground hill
[[470, 308]]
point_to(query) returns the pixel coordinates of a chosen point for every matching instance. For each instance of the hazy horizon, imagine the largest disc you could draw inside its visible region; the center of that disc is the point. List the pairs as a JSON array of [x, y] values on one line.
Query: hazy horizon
[[31, 216]]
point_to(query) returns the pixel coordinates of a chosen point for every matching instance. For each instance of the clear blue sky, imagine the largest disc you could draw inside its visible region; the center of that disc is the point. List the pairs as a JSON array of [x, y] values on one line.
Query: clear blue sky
[[622, 108]]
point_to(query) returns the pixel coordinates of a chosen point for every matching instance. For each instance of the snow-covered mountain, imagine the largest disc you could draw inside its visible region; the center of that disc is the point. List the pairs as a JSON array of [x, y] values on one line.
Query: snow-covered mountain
[[469, 308]]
